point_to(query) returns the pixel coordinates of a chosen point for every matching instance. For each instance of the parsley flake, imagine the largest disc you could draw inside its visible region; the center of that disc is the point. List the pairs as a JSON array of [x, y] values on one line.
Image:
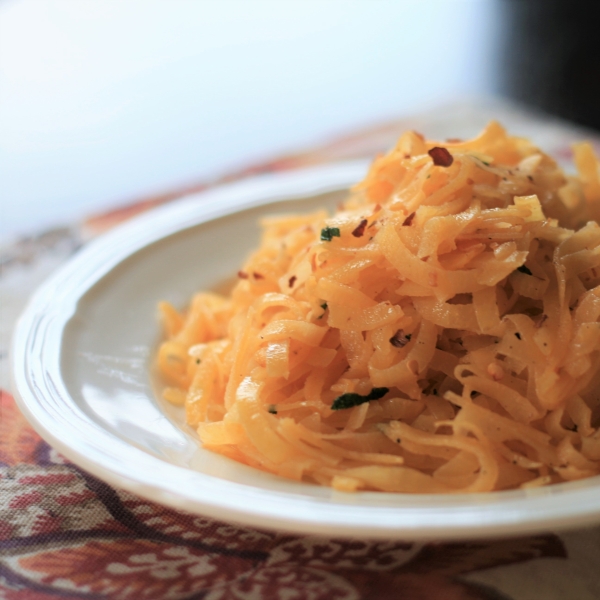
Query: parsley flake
[[524, 269], [327, 233], [351, 399], [324, 307]]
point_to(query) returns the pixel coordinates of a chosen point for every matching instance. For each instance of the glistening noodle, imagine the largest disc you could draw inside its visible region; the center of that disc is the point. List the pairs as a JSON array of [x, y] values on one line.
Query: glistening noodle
[[439, 333]]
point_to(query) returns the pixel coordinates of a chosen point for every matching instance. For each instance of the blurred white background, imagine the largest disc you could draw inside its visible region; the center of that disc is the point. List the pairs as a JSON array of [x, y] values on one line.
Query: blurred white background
[[102, 102]]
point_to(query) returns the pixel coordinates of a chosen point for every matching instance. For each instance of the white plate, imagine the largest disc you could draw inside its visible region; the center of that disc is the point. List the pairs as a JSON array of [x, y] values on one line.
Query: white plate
[[82, 355]]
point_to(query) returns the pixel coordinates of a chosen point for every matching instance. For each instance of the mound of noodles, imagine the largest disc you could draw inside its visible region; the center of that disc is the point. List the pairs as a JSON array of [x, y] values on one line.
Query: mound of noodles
[[438, 333]]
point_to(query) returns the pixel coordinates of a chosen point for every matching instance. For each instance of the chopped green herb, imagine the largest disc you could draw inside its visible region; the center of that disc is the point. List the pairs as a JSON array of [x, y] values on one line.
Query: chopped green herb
[[487, 164], [524, 269], [327, 233], [272, 409], [351, 399], [324, 307], [197, 361]]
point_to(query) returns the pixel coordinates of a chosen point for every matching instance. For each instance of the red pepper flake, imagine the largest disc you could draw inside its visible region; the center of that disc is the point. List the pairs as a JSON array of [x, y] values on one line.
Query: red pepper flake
[[400, 339], [242, 275], [258, 275], [441, 157], [470, 181], [292, 280], [360, 229], [407, 156], [408, 221]]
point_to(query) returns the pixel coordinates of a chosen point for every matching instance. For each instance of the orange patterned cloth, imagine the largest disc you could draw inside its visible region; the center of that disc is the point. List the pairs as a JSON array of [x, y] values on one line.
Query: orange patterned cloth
[[66, 534], [62, 531]]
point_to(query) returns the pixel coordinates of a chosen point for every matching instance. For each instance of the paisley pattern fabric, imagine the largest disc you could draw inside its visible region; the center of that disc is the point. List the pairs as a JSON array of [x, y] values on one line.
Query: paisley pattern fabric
[[66, 534]]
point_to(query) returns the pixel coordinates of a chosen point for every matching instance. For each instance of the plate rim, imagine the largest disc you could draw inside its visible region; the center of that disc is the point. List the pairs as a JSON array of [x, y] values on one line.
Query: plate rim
[[39, 392]]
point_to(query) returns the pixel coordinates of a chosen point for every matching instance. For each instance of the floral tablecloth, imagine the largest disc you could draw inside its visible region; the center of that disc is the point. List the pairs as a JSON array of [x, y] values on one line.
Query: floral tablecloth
[[66, 534]]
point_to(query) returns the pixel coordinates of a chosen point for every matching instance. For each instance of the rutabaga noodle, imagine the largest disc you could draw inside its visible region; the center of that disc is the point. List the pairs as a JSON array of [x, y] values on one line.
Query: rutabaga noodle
[[438, 333]]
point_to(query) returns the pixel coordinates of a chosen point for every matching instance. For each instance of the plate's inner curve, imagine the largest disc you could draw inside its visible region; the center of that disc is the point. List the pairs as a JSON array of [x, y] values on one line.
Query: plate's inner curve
[[111, 377]]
